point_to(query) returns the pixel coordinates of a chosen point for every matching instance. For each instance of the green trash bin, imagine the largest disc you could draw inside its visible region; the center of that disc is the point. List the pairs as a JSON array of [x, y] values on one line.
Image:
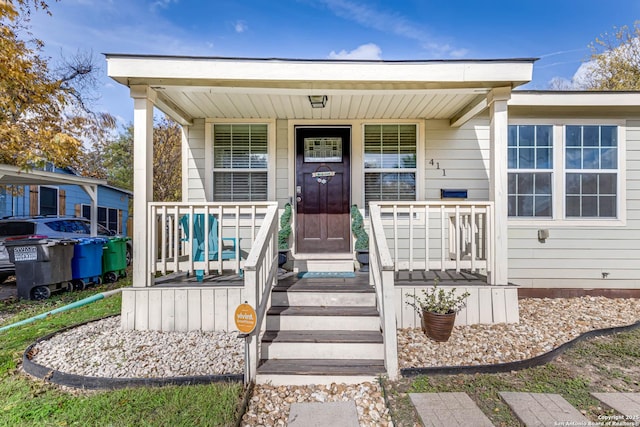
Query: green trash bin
[[114, 259]]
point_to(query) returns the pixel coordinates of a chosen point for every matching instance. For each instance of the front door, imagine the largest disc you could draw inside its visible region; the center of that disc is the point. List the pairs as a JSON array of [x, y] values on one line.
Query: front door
[[323, 189]]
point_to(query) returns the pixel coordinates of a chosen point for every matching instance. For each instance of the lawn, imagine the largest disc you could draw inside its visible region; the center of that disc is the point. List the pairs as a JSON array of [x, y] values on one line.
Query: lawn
[[602, 364], [27, 401]]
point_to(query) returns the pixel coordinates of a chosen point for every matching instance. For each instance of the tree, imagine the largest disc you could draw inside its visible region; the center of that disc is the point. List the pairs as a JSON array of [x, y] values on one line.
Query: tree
[[45, 114], [615, 60], [117, 160], [167, 165]]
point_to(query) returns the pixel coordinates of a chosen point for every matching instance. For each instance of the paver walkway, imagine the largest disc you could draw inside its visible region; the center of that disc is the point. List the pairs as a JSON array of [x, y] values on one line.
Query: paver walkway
[[447, 409], [543, 409], [628, 404], [318, 414]]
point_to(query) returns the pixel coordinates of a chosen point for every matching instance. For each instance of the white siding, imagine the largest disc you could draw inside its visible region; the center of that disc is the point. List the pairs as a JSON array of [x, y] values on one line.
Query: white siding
[[194, 160], [462, 155], [577, 256], [282, 162], [181, 309]]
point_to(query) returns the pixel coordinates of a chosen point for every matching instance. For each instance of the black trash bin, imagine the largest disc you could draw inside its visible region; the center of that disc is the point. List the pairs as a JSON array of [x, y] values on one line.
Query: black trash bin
[[43, 265]]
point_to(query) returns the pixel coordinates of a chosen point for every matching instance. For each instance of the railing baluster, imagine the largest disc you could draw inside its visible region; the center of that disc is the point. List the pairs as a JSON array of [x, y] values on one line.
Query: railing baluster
[[457, 234], [442, 245], [473, 238], [395, 236], [426, 237], [410, 237]]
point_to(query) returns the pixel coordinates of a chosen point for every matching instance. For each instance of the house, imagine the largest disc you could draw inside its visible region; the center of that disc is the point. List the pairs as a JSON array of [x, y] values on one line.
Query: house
[[454, 169], [61, 197]]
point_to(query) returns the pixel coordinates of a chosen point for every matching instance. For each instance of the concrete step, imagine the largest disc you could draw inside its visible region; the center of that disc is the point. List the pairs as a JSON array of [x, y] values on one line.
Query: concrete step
[[286, 345], [313, 371], [303, 318], [321, 298], [341, 265]]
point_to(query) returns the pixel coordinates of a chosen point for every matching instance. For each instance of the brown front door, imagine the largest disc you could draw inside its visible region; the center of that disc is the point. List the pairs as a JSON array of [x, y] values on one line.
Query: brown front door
[[323, 189]]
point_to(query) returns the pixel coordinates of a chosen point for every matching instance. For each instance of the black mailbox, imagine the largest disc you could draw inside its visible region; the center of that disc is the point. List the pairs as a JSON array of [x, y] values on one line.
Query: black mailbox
[[453, 194]]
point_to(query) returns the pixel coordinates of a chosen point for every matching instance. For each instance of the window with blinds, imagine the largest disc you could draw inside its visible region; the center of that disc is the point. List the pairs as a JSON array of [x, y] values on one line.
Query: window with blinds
[[240, 162], [389, 162]]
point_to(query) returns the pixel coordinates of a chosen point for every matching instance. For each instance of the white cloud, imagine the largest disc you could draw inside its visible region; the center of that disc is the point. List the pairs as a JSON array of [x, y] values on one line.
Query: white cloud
[[369, 51], [163, 4], [392, 22], [240, 26]]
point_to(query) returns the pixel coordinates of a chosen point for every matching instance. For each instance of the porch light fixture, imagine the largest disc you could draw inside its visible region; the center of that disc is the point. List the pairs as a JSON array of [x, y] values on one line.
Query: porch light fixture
[[318, 101]]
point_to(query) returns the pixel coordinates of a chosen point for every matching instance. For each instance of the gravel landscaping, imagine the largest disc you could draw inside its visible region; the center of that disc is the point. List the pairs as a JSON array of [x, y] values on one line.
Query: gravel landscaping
[[101, 349]]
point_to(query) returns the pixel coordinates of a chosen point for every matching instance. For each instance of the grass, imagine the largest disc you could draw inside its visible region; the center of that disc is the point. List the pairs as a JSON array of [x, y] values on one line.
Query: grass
[[27, 401], [603, 364]]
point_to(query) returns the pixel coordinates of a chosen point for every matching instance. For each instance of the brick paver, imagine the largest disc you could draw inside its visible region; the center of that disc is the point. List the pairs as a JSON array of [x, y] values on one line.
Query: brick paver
[[628, 404], [543, 409], [447, 409]]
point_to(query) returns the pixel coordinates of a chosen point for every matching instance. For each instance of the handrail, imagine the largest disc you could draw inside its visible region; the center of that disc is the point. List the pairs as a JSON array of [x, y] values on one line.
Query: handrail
[[260, 275], [381, 277]]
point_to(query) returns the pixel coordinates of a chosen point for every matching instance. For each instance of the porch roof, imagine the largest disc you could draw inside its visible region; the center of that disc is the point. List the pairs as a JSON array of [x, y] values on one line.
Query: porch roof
[[241, 88]]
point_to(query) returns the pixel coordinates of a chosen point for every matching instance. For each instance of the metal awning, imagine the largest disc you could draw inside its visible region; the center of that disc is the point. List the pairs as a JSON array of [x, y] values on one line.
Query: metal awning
[[13, 175]]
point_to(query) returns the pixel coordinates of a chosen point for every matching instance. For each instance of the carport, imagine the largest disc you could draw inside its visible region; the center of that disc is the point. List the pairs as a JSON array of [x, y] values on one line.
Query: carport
[[13, 175]]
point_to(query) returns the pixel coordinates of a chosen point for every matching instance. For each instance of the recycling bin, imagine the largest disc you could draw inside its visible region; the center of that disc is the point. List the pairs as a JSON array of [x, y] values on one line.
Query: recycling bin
[[86, 264], [43, 265], [114, 259]]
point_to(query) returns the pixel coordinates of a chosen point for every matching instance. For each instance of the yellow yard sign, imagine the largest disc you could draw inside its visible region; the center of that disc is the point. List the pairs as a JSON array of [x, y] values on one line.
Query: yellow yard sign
[[246, 318]]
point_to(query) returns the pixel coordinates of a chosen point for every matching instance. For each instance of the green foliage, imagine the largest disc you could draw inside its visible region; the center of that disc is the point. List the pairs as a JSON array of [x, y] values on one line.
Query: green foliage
[[437, 300], [285, 228], [27, 402], [615, 60], [357, 228]]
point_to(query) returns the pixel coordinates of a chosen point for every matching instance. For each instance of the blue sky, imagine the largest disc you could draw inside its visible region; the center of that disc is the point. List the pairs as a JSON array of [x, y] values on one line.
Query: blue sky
[[558, 32]]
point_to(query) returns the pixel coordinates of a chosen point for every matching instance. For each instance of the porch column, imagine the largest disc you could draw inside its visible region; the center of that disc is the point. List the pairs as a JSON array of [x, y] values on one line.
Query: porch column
[[498, 191], [143, 99]]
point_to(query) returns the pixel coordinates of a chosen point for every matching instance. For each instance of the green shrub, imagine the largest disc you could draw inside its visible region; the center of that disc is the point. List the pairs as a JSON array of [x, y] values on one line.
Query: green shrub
[[357, 228], [285, 228]]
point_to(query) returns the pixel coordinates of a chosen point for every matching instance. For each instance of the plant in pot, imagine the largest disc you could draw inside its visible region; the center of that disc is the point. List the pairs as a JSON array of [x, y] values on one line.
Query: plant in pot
[[437, 309], [362, 238], [283, 235]]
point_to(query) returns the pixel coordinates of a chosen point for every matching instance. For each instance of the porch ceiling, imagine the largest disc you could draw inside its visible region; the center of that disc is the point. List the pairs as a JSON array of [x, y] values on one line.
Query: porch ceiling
[[247, 103], [188, 88]]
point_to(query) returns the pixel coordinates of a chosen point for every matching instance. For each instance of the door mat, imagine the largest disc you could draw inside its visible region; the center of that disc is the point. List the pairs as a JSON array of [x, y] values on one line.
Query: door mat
[[326, 274]]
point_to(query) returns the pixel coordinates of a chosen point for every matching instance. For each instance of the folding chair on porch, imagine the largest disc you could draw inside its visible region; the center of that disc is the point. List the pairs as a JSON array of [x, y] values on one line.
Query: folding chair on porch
[[229, 252]]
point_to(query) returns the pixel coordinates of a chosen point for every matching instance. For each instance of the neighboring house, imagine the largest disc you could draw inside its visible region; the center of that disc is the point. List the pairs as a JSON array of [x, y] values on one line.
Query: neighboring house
[[544, 186], [72, 200]]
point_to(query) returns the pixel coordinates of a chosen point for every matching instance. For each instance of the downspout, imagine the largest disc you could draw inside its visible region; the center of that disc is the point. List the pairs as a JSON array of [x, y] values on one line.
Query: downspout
[[77, 304]]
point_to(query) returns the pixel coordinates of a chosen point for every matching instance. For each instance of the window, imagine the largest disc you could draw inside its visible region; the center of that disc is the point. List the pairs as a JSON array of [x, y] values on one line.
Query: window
[[565, 171], [591, 157], [48, 201], [530, 164], [107, 217], [240, 162], [389, 162]]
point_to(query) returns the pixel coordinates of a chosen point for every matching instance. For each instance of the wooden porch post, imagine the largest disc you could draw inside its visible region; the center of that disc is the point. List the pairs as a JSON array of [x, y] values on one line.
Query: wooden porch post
[[498, 191], [143, 99]]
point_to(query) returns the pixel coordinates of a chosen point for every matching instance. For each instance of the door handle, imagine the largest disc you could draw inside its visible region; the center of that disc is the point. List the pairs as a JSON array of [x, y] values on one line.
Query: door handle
[[298, 199]]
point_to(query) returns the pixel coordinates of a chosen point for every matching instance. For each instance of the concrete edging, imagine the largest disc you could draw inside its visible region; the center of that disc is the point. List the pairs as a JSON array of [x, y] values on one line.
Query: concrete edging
[[100, 383]]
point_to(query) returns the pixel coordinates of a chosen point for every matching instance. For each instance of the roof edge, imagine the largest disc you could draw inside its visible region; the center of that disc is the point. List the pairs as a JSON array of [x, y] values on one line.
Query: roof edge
[[307, 60]]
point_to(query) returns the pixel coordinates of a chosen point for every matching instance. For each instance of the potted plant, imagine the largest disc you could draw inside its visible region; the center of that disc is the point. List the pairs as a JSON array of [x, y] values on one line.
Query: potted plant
[[362, 238], [437, 309], [283, 235]]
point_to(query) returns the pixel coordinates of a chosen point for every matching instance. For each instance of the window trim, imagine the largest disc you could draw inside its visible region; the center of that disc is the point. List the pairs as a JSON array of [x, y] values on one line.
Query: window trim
[[119, 223], [418, 170], [559, 172], [40, 199], [271, 155]]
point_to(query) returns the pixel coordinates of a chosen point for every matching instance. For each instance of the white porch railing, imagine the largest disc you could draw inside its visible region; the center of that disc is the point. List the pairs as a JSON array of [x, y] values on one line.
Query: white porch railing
[[260, 276], [439, 235], [174, 226], [381, 271]]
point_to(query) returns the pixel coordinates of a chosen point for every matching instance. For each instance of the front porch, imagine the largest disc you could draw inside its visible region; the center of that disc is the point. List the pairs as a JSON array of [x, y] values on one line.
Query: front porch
[[413, 245]]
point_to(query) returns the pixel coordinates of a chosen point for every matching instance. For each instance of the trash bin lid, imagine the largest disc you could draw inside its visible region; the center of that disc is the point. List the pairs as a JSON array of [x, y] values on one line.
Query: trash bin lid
[[91, 241]]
